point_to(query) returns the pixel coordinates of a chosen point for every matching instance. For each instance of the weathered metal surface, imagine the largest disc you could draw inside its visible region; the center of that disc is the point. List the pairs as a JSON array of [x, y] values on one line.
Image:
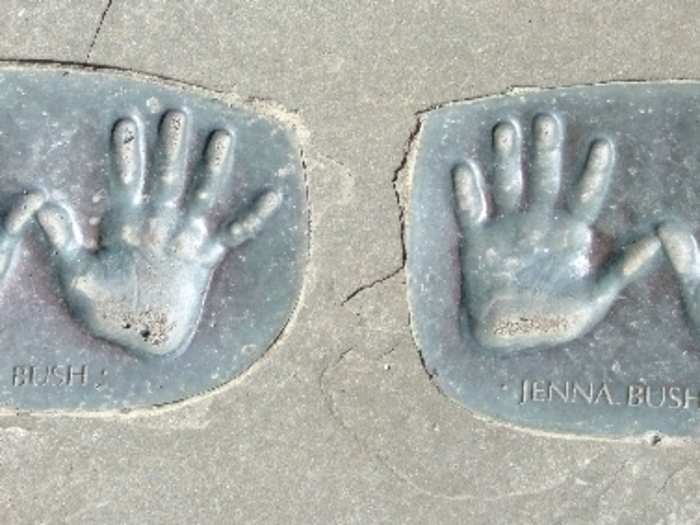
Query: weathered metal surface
[[553, 269], [154, 239]]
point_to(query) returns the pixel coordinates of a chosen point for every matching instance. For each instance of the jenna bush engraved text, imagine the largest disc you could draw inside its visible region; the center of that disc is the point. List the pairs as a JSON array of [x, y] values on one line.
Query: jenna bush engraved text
[[633, 395]]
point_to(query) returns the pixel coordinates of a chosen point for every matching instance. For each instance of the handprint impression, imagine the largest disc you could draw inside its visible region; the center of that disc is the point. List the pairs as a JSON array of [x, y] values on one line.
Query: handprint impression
[[528, 280], [19, 216], [682, 249], [145, 285]]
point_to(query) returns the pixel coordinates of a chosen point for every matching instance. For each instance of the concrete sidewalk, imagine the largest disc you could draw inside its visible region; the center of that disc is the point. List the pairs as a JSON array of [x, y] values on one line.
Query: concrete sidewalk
[[338, 422]]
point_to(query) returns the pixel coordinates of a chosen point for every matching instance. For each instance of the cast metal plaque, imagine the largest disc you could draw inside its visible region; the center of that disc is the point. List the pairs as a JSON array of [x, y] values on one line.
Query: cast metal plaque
[[152, 244], [552, 263]]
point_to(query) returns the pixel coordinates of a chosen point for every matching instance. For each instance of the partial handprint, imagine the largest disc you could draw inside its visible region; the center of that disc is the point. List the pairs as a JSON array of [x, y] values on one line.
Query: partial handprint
[[19, 216], [528, 279], [682, 249], [145, 286]]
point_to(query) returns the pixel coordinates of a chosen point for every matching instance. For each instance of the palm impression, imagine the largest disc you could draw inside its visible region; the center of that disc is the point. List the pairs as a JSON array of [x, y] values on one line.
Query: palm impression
[[528, 279], [144, 286], [14, 224]]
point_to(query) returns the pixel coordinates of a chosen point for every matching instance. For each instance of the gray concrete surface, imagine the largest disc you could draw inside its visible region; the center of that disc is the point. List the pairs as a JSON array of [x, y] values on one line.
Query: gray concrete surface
[[339, 423]]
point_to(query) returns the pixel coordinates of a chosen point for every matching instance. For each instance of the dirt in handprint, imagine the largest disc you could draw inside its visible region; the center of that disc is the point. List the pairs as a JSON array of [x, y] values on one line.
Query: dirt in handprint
[[151, 326], [531, 325]]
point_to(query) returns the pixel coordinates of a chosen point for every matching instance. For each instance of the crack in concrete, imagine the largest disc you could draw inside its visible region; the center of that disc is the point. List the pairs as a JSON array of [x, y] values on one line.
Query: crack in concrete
[[407, 149], [327, 397], [101, 21], [329, 402], [334, 161], [307, 196], [612, 480], [670, 477], [372, 284]]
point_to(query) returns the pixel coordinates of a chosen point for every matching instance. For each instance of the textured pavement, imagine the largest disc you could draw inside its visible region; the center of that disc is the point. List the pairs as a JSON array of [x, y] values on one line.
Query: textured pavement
[[339, 423]]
